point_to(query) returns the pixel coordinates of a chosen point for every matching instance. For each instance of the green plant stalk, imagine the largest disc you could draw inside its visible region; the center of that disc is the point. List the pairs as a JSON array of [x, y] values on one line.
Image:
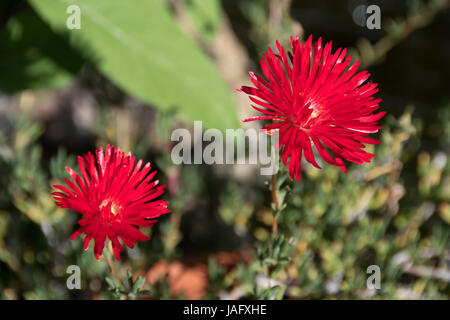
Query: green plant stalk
[[276, 205], [114, 271]]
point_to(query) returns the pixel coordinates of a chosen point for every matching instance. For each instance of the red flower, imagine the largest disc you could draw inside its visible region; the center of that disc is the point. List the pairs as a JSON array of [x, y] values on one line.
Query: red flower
[[313, 99], [115, 198]]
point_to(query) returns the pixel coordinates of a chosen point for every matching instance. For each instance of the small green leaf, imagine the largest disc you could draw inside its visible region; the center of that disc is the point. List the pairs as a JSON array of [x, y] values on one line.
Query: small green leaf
[[138, 284], [111, 282]]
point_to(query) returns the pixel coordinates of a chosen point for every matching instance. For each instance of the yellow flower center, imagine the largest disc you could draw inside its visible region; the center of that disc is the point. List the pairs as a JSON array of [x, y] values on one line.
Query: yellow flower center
[[115, 208]]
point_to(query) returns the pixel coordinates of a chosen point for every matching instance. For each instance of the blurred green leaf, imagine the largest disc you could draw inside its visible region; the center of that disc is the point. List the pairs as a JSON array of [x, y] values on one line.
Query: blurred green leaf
[[137, 285], [205, 15], [32, 56], [141, 48]]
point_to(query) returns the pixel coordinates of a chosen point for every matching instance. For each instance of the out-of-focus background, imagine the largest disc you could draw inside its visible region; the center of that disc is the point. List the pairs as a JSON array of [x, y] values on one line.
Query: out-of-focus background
[[136, 70]]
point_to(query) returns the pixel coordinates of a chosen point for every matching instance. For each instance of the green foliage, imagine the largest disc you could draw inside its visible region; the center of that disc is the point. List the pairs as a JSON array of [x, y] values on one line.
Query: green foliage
[[59, 163], [129, 289], [339, 224], [165, 68], [393, 212], [33, 56], [206, 16]]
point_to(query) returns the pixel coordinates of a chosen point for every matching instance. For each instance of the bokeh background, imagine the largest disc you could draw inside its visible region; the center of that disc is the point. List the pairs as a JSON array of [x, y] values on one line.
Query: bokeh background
[[136, 70]]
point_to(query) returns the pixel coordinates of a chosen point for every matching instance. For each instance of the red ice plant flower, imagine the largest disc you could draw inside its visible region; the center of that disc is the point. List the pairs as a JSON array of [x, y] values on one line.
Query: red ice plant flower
[[313, 99], [115, 196]]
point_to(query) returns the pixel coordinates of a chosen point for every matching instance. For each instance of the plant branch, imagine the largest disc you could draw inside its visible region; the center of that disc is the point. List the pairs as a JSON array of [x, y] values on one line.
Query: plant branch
[[115, 272], [276, 205], [369, 53]]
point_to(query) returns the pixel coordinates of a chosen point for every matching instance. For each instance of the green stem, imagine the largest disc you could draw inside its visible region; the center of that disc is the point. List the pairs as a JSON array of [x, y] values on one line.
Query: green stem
[[276, 205], [114, 271]]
